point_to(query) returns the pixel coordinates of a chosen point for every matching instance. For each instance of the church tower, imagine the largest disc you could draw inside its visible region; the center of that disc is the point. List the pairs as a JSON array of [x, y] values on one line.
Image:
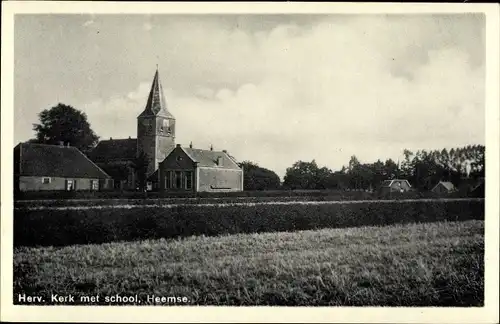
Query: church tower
[[155, 127]]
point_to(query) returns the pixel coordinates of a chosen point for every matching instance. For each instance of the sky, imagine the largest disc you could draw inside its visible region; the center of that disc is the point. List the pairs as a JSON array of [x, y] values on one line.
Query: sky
[[272, 89]]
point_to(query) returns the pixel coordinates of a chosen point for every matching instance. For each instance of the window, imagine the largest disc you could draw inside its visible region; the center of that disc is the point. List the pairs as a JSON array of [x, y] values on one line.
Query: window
[[168, 180], [179, 158], [166, 126], [178, 179], [46, 180], [189, 179], [70, 185], [94, 184]]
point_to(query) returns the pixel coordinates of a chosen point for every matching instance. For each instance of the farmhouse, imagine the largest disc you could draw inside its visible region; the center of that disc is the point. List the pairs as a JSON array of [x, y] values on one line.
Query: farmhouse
[[395, 185], [443, 187], [56, 167], [186, 169]]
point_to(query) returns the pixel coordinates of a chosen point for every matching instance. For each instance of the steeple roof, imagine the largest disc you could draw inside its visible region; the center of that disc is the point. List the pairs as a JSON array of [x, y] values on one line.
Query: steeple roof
[[156, 104]]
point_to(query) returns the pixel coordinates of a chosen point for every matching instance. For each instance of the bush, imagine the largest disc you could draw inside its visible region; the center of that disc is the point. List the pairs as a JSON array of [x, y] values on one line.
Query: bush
[[99, 225]]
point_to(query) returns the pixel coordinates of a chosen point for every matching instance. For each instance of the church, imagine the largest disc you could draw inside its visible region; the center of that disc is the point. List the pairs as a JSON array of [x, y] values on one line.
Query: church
[[168, 166]]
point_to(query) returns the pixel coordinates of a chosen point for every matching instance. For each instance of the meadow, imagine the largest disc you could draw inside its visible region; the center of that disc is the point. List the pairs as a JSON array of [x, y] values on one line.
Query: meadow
[[413, 264]]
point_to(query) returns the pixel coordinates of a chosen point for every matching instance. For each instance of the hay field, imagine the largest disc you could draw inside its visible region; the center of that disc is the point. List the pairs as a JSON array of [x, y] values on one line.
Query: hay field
[[426, 264]]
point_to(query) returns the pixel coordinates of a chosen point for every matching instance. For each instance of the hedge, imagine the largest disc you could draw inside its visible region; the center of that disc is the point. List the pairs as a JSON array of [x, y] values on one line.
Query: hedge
[[126, 195], [60, 227]]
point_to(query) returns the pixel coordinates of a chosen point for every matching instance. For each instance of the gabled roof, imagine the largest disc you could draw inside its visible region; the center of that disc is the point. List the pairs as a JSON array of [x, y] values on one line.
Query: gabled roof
[[208, 158], [156, 104], [389, 183], [448, 185], [114, 150], [55, 161]]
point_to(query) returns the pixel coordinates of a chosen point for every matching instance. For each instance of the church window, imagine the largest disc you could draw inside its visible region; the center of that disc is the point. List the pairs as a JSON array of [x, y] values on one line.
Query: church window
[[189, 179], [46, 180], [178, 179], [168, 180]]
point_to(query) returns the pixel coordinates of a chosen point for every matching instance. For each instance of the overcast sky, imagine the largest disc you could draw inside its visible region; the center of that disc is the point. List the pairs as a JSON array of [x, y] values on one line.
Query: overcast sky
[[272, 89]]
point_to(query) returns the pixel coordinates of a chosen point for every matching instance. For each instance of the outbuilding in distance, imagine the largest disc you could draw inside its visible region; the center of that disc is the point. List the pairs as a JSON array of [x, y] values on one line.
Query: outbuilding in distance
[[56, 167]]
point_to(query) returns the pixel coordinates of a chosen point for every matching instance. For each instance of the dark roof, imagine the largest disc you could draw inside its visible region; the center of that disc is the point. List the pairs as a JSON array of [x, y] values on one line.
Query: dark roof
[[114, 150], [479, 185], [208, 158], [448, 185], [55, 161], [156, 104], [118, 171], [153, 177], [388, 183]]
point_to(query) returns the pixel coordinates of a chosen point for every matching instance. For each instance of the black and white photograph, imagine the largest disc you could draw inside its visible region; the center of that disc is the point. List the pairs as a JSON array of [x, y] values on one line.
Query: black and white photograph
[[159, 157]]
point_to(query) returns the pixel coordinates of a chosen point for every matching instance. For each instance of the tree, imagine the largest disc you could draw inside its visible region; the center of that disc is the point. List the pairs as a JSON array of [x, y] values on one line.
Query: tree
[[390, 169], [141, 169], [63, 123], [353, 162], [305, 175], [258, 178]]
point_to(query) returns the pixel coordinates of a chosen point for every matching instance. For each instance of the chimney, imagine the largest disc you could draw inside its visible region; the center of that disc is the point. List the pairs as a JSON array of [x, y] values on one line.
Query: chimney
[[191, 145], [67, 144], [129, 137], [178, 145], [211, 147], [225, 151], [61, 143], [110, 138]]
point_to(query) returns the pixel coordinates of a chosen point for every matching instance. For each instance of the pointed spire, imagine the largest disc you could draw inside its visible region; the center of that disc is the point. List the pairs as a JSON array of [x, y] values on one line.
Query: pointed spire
[[156, 104]]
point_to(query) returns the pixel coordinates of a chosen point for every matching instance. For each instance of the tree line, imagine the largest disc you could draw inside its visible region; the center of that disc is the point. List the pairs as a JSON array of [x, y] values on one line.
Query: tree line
[[423, 168]]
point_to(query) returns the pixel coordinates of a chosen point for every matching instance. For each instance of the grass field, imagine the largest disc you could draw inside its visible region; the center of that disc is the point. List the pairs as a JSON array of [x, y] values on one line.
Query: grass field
[[428, 264]]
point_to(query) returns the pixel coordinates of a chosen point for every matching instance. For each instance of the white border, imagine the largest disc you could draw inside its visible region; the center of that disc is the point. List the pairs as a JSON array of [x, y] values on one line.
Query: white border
[[487, 314]]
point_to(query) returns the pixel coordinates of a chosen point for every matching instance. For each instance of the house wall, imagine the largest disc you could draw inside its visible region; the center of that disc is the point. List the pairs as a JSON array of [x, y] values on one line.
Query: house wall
[[177, 160], [30, 183], [216, 180]]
